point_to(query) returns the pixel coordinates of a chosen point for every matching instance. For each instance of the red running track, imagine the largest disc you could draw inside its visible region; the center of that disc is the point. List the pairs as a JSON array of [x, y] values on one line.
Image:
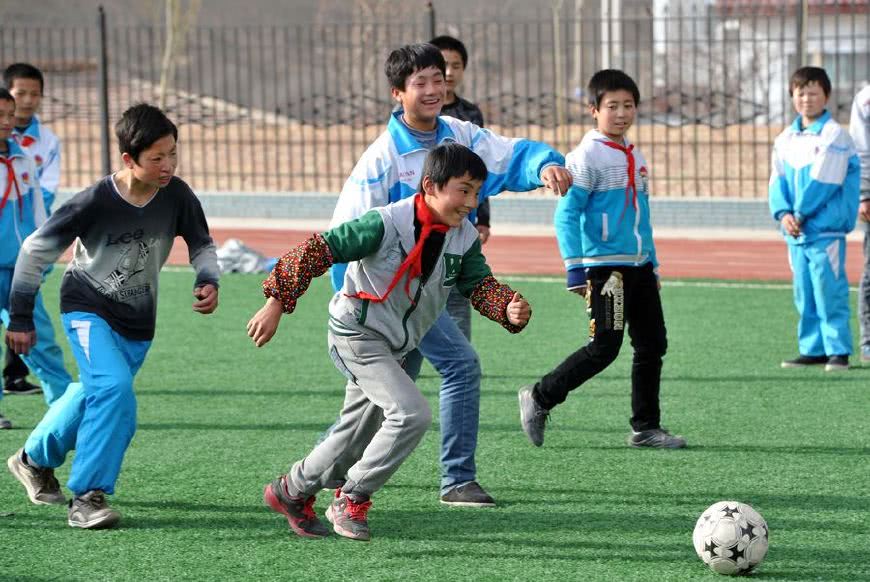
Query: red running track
[[539, 255]]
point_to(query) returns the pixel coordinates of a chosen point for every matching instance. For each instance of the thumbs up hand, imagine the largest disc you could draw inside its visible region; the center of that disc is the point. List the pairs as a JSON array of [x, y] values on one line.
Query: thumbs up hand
[[519, 311]]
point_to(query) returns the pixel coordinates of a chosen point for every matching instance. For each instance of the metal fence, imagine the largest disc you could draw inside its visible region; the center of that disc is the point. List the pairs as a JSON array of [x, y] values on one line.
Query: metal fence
[[291, 108]]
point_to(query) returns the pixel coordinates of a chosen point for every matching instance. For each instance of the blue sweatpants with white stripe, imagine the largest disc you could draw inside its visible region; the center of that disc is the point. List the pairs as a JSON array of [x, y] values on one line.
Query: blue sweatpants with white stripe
[[96, 417], [45, 358], [821, 295]]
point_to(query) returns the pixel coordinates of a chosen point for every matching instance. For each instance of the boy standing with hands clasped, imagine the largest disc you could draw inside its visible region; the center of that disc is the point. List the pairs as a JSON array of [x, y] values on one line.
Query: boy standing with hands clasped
[[813, 194], [404, 260], [605, 238]]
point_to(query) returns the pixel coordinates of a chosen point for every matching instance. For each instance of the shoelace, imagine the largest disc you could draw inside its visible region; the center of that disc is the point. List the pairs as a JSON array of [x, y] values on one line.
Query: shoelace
[[308, 508], [95, 501], [47, 478], [357, 511]]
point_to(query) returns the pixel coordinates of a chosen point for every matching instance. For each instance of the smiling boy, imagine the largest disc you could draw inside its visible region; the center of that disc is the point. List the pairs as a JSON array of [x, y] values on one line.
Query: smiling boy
[[123, 228], [814, 194], [605, 238], [405, 258]]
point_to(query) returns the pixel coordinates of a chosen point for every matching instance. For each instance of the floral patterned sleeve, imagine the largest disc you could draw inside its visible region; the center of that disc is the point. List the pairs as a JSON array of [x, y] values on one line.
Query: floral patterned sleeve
[[293, 274], [491, 299]]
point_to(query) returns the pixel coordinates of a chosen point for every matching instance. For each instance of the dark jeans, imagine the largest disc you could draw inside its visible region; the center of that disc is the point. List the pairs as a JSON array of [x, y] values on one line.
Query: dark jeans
[[618, 297]]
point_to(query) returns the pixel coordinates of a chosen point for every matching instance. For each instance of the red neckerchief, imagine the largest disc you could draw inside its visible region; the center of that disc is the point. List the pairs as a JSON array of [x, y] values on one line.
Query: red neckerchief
[[413, 263], [10, 180], [630, 188]]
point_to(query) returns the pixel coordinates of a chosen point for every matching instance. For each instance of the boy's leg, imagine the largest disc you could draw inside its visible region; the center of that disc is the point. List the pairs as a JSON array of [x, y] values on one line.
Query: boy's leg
[[384, 418], [459, 308], [45, 358], [864, 298], [809, 325], [827, 265], [454, 358], [606, 331], [646, 327], [55, 435], [108, 363]]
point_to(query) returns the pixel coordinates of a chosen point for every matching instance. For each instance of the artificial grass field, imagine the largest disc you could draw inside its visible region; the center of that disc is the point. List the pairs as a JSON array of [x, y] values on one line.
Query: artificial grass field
[[218, 419]]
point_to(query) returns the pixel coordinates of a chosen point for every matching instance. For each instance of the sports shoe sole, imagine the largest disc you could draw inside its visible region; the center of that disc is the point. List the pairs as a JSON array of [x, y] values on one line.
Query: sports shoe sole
[[104, 522], [272, 502], [523, 421], [13, 464], [467, 504], [344, 532], [836, 368], [36, 390], [793, 365]]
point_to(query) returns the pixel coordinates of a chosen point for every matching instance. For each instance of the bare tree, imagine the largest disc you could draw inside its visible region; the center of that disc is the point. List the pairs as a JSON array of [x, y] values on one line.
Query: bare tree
[[178, 21]]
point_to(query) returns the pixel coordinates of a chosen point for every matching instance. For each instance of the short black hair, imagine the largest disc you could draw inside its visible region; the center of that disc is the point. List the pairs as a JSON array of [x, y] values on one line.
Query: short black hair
[[608, 80], [407, 60], [140, 126], [452, 160], [806, 75], [449, 43], [22, 71], [5, 95]]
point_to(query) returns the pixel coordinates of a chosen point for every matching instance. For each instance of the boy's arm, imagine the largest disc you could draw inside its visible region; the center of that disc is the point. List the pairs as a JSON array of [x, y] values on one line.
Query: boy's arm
[[366, 188], [49, 175], [827, 176], [40, 249], [778, 197], [569, 210], [489, 297], [347, 242], [859, 128], [514, 164], [193, 228]]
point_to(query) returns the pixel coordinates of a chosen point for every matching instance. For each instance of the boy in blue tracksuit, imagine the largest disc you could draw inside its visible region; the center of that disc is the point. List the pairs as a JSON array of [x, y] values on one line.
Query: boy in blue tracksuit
[[22, 207], [605, 238], [389, 171], [25, 82], [813, 194], [123, 228]]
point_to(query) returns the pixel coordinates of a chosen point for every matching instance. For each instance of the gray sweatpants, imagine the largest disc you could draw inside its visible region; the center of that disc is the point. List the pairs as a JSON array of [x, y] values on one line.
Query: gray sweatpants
[[864, 292], [383, 419]]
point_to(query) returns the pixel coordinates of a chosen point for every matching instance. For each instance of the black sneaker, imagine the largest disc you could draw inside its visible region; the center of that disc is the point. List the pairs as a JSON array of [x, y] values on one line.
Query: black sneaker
[[468, 495], [656, 438], [837, 364], [804, 361], [20, 386]]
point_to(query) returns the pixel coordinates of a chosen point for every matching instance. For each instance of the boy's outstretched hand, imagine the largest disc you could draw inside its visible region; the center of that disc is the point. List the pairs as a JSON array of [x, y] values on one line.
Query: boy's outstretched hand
[[557, 179], [519, 311], [20, 342], [207, 297], [265, 322]]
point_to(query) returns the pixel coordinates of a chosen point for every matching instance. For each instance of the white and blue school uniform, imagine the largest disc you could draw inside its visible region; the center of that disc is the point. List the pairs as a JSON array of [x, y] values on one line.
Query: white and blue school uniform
[[22, 211], [43, 145], [109, 310], [816, 177]]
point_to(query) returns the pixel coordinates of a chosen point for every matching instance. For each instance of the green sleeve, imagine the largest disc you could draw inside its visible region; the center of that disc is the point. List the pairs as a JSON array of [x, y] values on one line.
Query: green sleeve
[[355, 239], [473, 270]]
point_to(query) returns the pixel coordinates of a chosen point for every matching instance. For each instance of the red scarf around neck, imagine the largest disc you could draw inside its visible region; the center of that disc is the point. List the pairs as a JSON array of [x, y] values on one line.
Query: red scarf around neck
[[10, 180], [630, 188], [413, 263]]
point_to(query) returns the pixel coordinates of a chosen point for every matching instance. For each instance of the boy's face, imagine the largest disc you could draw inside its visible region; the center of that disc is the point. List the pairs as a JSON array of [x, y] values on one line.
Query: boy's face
[[809, 101], [423, 95], [455, 201], [7, 118], [28, 96], [455, 70], [156, 165], [615, 113]]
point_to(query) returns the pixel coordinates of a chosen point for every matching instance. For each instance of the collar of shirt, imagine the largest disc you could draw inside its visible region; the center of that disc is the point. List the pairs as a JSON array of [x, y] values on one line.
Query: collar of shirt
[[13, 151], [406, 143], [814, 128]]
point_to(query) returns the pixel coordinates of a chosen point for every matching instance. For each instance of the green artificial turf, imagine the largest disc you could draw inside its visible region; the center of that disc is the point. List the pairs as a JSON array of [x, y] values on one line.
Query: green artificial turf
[[218, 419]]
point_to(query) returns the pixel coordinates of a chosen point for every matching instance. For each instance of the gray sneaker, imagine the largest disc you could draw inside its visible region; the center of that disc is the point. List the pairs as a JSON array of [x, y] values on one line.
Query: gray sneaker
[[5, 423], [349, 517], [837, 364], [657, 438], [468, 495], [92, 511], [532, 416], [42, 488]]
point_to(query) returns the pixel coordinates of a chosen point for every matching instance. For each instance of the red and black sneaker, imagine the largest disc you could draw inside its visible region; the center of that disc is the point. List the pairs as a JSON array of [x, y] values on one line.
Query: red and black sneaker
[[299, 511], [348, 516]]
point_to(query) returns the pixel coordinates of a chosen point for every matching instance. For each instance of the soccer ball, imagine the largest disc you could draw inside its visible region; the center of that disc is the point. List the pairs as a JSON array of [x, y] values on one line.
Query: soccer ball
[[730, 537]]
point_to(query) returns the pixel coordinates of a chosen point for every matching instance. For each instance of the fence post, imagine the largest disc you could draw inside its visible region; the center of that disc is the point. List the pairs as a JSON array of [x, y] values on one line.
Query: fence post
[[104, 91], [803, 13], [430, 19]]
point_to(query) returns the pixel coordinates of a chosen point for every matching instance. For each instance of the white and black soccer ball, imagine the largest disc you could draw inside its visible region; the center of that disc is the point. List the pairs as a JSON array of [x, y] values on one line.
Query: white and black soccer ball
[[731, 537]]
